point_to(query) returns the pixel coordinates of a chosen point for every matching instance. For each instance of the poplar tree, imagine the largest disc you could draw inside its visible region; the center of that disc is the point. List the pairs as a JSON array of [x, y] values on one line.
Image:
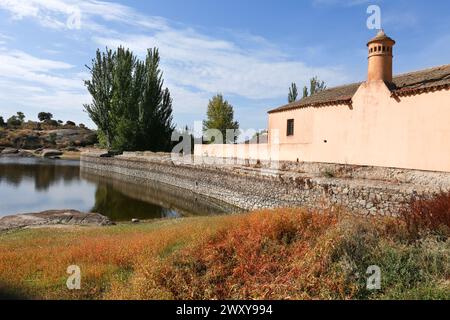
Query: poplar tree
[[293, 93], [129, 105]]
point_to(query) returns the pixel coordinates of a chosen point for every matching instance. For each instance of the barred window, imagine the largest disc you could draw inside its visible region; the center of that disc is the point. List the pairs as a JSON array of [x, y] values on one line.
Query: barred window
[[290, 127]]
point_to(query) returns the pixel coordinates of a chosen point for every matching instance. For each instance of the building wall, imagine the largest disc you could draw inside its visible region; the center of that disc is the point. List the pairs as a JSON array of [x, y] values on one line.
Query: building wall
[[377, 130]]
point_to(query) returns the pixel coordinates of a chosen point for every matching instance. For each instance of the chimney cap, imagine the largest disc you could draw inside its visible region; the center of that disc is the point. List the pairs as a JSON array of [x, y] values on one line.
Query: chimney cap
[[381, 37]]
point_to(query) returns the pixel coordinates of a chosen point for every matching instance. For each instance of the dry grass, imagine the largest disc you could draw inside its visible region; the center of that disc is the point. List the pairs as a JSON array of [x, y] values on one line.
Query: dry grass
[[281, 254], [34, 262], [428, 215]]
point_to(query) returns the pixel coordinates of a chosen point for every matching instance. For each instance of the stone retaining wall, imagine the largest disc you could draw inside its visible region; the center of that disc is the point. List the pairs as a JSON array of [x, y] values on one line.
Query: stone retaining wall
[[363, 190]]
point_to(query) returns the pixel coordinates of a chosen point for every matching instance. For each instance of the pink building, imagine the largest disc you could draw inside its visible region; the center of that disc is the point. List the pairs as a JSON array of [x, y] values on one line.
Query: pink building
[[390, 121]]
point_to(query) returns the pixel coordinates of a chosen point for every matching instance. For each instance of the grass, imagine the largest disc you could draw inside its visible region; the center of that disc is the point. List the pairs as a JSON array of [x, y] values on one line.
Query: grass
[[279, 254]]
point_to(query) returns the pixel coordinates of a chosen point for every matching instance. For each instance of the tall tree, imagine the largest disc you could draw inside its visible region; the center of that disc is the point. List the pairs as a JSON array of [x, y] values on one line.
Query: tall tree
[[315, 86], [2, 122], [293, 93], [220, 116], [131, 108], [101, 89], [155, 109], [305, 92]]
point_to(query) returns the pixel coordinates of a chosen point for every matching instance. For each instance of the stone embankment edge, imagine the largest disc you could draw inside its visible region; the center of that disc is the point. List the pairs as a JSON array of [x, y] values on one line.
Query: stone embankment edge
[[253, 188]]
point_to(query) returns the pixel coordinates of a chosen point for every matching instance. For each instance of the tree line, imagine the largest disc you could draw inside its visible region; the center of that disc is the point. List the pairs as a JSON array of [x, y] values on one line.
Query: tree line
[[133, 110], [18, 120], [315, 86]]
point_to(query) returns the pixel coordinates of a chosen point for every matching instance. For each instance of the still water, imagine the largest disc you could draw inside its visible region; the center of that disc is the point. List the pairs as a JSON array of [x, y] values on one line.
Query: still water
[[34, 185]]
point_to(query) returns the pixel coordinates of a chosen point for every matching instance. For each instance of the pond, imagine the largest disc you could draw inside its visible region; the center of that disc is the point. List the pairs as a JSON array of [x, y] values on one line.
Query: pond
[[30, 185]]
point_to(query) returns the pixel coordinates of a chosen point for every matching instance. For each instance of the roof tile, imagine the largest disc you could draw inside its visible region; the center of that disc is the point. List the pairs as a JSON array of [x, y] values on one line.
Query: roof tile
[[413, 82]]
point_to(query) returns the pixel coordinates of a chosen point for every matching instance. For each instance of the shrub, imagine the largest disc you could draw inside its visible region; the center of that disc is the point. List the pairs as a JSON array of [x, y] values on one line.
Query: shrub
[[295, 254], [45, 116], [52, 137], [52, 123], [21, 116], [279, 254], [428, 215], [14, 122], [70, 123]]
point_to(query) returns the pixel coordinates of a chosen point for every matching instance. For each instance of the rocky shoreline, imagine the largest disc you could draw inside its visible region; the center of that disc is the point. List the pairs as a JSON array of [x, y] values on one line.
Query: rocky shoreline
[[53, 218], [47, 153]]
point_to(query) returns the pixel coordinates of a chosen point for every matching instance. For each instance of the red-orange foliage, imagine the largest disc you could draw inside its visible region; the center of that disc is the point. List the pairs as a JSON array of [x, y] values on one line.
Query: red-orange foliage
[[427, 214], [269, 254], [257, 258]]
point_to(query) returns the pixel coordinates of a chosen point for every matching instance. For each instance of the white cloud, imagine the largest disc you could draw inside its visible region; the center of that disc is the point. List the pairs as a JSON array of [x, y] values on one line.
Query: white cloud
[[212, 65], [32, 84], [195, 66], [55, 13], [27, 68]]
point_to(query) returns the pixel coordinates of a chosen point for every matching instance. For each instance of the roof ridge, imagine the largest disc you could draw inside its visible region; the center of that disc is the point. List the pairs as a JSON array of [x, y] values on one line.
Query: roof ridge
[[422, 70], [425, 79], [395, 76]]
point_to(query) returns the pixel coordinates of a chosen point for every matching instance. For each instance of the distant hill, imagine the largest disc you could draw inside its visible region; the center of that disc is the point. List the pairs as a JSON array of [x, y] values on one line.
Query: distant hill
[[35, 135]]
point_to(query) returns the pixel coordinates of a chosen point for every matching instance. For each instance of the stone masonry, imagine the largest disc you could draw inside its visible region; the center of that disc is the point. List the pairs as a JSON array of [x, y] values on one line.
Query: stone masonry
[[256, 185]]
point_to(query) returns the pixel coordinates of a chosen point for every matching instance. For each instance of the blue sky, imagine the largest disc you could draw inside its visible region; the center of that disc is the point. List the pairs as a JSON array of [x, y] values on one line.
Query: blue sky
[[248, 50]]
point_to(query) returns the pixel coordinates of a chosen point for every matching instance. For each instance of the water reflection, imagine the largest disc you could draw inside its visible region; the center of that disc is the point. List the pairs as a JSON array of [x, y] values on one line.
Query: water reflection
[[43, 172], [32, 185], [121, 207]]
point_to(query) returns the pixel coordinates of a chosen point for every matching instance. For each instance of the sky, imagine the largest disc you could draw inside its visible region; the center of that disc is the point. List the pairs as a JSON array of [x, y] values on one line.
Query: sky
[[248, 50]]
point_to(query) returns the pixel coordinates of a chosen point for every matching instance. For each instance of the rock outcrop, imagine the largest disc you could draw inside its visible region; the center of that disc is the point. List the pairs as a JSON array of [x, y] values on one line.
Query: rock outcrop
[[49, 153], [52, 218], [10, 151], [32, 139]]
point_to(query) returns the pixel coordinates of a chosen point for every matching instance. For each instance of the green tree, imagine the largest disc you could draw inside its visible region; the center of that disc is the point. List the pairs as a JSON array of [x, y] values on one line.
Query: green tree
[[21, 116], [2, 122], [13, 122], [315, 86], [293, 93], [220, 116], [155, 108], [52, 138], [101, 89], [45, 116], [130, 107], [305, 92]]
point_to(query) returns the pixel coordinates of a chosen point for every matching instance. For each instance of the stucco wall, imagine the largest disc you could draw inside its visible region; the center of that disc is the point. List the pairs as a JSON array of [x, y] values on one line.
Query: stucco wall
[[377, 130]]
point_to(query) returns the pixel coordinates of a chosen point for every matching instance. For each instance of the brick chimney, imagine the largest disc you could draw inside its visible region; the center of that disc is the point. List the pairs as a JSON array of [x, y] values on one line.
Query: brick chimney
[[380, 58]]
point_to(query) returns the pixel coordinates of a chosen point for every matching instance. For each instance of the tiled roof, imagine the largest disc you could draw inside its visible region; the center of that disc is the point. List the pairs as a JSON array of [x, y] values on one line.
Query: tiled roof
[[406, 84]]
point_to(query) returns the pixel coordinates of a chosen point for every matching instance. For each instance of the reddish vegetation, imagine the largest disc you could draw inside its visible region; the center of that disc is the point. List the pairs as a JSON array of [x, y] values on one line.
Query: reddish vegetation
[[279, 254], [428, 215]]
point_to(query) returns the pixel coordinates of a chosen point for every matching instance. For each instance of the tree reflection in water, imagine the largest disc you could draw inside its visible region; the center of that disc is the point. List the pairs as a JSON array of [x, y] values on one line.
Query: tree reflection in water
[[32, 185]]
